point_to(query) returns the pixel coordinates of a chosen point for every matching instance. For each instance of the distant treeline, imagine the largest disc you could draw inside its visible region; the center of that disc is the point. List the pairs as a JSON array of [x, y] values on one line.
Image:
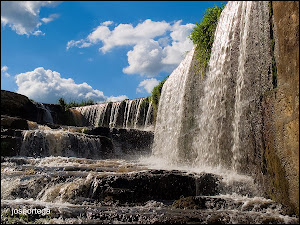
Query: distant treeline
[[73, 103]]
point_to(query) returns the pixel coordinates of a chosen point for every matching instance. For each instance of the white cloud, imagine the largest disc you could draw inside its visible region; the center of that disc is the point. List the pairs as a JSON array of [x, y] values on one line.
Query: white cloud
[[48, 86], [175, 52], [4, 70], [107, 23], [73, 43], [100, 33], [145, 59], [123, 34], [38, 32], [126, 34], [147, 85], [116, 99], [23, 16], [148, 56], [50, 18]]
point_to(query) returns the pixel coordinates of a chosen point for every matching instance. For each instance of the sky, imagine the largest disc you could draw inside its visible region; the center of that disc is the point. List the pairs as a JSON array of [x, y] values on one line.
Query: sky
[[99, 50]]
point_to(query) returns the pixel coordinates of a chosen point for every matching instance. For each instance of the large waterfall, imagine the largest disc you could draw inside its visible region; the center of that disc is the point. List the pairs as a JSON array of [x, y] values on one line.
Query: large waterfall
[[214, 121]]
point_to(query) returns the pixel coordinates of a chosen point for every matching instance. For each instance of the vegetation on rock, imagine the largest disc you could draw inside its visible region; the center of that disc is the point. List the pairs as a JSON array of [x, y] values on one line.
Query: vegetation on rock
[[203, 34], [62, 102], [156, 92]]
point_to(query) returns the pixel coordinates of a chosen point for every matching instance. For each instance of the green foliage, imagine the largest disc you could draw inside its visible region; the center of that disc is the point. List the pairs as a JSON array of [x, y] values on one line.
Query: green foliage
[[73, 103], [62, 103], [66, 116], [145, 104], [203, 34], [156, 92]]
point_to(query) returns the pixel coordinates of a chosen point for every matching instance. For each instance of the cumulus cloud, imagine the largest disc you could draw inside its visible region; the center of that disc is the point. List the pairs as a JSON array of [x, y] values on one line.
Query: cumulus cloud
[[4, 71], [23, 16], [48, 86], [175, 52], [145, 59], [157, 45], [116, 99], [147, 85]]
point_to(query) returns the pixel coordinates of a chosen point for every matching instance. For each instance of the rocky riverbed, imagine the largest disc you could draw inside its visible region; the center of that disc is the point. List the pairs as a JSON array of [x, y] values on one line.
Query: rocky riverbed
[[80, 190]]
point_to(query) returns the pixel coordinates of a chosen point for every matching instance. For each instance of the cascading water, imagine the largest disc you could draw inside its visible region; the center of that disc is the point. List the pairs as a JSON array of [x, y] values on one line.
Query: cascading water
[[215, 129], [134, 113], [114, 114], [149, 117], [45, 142], [45, 113]]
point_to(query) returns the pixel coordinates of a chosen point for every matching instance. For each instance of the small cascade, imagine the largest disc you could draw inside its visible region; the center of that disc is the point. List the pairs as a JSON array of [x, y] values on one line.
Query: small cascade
[[101, 110], [127, 113], [149, 116], [114, 114], [134, 113], [44, 115], [138, 112], [45, 142], [77, 117]]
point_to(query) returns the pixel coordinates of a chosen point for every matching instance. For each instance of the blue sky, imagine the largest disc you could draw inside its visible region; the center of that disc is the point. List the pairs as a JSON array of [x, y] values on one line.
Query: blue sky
[[105, 51]]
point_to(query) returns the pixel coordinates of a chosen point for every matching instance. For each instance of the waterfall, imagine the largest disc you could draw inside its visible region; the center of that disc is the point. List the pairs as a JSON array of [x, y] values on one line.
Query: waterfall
[[216, 121], [114, 114], [169, 114], [134, 113], [149, 116], [45, 115]]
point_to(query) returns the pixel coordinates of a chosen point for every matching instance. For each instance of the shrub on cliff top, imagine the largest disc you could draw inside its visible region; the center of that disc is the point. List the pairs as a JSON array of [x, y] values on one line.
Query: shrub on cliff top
[[203, 34], [156, 92]]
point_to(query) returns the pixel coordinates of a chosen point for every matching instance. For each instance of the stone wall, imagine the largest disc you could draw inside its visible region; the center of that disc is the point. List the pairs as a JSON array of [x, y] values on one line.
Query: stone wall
[[281, 110]]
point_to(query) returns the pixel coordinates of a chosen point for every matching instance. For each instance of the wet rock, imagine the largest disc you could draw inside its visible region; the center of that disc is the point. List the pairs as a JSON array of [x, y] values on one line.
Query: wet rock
[[10, 145], [13, 122], [144, 186], [126, 141], [206, 202], [207, 184]]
